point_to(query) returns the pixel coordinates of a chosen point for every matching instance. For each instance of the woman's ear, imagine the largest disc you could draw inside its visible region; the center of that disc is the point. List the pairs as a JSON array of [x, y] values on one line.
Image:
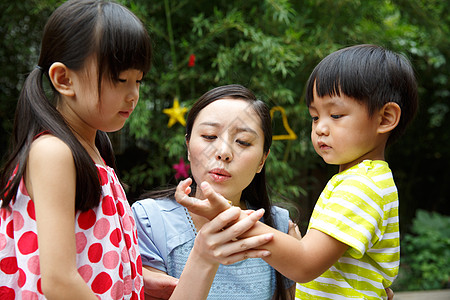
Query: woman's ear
[[389, 117], [187, 147], [59, 75], [262, 162]]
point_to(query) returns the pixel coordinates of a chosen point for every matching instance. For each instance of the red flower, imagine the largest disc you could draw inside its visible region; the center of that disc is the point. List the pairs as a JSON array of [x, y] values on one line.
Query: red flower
[[191, 60], [182, 169]]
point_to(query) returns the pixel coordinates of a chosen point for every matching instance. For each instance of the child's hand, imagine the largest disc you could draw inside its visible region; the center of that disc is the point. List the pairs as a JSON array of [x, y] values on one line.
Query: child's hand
[[208, 208], [294, 231], [157, 284]]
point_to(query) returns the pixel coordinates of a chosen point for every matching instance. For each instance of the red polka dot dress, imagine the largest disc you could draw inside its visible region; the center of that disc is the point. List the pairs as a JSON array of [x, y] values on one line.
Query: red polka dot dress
[[108, 257]]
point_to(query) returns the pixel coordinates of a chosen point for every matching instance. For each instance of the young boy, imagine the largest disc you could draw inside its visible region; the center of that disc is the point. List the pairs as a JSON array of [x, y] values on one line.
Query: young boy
[[360, 99]]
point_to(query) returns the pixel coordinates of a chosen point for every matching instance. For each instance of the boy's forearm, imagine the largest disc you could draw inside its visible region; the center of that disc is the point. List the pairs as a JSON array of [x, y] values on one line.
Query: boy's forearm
[[299, 260]]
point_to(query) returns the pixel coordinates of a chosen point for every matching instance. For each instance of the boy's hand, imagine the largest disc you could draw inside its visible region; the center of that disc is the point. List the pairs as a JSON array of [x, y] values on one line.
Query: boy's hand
[[209, 208]]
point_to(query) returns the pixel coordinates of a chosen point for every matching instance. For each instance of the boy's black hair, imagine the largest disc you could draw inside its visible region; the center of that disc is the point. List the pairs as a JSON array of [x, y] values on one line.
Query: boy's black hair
[[371, 75]]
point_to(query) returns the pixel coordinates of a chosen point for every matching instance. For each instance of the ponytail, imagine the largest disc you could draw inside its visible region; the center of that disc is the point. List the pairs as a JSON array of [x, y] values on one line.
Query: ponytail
[[34, 115]]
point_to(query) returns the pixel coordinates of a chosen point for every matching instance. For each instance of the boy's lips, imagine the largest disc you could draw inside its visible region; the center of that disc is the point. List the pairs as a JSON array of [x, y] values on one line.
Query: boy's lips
[[323, 146], [219, 175]]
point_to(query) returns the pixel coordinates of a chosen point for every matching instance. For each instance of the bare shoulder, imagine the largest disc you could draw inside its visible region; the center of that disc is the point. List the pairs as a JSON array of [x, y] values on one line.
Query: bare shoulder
[[48, 148], [50, 172], [50, 158]]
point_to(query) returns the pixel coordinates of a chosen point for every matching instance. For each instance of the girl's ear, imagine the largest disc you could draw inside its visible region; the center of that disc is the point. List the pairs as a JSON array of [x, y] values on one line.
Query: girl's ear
[[59, 75], [263, 161], [389, 117]]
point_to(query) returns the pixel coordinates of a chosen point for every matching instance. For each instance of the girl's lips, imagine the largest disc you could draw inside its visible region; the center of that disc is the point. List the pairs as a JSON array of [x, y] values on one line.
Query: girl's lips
[[219, 175], [125, 114]]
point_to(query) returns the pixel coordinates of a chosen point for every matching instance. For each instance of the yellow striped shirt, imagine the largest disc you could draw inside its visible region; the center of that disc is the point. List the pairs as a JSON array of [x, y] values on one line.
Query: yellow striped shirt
[[358, 207]]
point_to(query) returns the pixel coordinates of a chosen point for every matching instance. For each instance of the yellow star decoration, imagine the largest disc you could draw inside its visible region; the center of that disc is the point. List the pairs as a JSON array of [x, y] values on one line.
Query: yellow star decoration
[[176, 113]]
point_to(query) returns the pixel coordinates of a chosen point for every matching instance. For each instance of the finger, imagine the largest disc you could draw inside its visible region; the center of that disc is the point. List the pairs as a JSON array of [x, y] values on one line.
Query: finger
[[227, 227], [253, 253], [244, 248], [180, 191], [216, 200], [389, 293], [243, 225], [182, 195], [222, 220], [294, 230]]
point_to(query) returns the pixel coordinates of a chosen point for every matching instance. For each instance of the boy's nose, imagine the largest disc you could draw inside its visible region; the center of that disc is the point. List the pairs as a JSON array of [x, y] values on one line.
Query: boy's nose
[[322, 128]]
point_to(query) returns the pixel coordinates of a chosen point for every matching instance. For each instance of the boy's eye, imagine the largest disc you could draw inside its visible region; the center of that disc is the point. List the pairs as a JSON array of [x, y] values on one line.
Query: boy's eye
[[314, 119], [209, 137], [336, 116], [122, 80]]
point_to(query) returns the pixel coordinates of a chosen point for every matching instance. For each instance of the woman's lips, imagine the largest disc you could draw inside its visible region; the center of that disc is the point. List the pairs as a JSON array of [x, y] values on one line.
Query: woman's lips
[[219, 175]]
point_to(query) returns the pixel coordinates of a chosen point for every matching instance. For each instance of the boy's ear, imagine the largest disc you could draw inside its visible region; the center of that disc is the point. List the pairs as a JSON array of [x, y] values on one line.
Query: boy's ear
[[59, 75], [389, 117]]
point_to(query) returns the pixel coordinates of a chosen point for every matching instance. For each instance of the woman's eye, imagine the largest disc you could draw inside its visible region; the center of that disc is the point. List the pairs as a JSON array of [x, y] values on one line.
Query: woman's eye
[[243, 143]]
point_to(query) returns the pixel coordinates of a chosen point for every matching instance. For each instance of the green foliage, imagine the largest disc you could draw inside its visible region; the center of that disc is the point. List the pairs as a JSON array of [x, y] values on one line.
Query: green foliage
[[270, 46], [425, 254]]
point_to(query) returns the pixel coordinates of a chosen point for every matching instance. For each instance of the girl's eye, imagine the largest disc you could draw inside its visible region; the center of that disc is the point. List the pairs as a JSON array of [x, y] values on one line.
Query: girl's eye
[[314, 119], [209, 137], [241, 142], [336, 116]]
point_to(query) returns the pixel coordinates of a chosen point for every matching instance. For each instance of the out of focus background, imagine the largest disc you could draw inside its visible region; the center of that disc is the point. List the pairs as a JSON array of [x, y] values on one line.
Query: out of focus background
[[271, 47]]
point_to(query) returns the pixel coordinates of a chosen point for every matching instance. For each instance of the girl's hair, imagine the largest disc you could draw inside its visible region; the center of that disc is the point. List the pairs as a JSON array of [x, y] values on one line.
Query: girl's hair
[[76, 30], [255, 194], [371, 75]]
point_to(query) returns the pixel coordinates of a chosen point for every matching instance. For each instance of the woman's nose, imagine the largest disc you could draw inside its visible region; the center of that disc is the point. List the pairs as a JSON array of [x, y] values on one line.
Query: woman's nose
[[224, 152]]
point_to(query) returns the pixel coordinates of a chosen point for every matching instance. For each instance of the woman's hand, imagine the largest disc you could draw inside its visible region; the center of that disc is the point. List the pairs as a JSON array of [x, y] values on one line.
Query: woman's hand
[[219, 243], [208, 208]]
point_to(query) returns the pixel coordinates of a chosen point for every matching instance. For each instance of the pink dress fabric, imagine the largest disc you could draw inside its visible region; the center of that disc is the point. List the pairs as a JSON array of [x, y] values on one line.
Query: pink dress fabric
[[107, 257]]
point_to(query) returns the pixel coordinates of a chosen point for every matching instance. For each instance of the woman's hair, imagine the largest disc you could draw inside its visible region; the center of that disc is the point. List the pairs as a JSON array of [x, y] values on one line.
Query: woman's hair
[[76, 30], [371, 75]]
